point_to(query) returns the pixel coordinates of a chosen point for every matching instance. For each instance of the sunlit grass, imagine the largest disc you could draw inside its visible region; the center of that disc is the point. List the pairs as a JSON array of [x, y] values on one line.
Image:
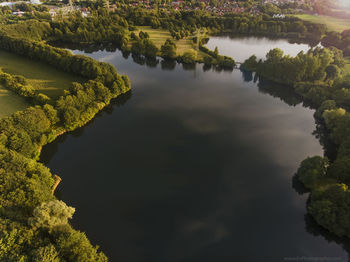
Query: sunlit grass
[[44, 78], [10, 102], [159, 36], [347, 66], [332, 23]]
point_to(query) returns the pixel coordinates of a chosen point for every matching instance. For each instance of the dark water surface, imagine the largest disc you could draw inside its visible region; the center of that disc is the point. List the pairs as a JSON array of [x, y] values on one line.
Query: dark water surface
[[193, 165]]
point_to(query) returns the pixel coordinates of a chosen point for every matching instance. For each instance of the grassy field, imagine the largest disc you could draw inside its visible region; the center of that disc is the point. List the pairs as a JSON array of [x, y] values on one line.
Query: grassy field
[[332, 23], [45, 79], [159, 36], [10, 102]]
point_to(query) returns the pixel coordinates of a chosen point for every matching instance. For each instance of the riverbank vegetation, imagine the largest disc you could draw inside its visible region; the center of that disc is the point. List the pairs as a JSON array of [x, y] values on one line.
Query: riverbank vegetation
[[120, 26], [338, 40], [117, 28], [321, 78], [34, 224]]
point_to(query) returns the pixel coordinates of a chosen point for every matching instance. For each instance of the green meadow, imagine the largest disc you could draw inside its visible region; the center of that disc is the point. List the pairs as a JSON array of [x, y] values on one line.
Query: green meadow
[[159, 36], [347, 67], [44, 78], [332, 23], [10, 102]]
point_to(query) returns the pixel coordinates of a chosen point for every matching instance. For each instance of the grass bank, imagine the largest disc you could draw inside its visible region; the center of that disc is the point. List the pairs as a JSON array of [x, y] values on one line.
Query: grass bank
[[347, 64], [44, 78], [10, 102], [332, 23], [159, 36], [347, 68]]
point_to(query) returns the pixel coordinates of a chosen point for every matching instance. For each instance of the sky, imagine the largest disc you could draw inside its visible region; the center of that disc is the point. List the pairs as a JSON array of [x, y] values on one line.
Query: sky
[[345, 3]]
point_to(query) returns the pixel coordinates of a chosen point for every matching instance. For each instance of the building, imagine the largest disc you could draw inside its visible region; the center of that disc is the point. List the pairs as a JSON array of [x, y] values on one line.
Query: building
[[281, 16], [35, 2], [9, 4]]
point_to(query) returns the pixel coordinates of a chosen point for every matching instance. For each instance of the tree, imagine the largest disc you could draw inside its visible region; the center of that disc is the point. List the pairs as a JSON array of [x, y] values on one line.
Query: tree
[[332, 71], [51, 113], [51, 214], [216, 52], [189, 57], [168, 50], [21, 142], [74, 246], [340, 169], [46, 254], [71, 117], [250, 64], [326, 105], [338, 122], [330, 208], [150, 49], [208, 60], [138, 47], [311, 170], [274, 55], [33, 120], [225, 62]]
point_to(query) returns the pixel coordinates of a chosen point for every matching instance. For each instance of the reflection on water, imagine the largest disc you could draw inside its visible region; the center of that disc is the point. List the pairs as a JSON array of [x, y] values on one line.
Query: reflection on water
[[241, 48], [196, 165]]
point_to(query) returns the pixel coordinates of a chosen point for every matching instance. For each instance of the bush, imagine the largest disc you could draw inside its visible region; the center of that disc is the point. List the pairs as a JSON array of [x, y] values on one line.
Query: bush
[[312, 170], [189, 57]]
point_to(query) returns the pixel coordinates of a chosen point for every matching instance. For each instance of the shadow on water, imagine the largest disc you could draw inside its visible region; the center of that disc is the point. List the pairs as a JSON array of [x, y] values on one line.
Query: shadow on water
[[142, 60], [314, 229], [323, 135], [189, 67], [298, 186], [290, 97], [283, 92], [168, 65], [51, 149]]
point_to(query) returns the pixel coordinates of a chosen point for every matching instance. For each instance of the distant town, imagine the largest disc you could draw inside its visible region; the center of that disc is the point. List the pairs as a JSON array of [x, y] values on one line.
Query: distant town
[[219, 8]]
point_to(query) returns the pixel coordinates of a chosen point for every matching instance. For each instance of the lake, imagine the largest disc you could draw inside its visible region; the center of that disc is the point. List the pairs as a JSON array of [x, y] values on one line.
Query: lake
[[193, 165], [241, 48]]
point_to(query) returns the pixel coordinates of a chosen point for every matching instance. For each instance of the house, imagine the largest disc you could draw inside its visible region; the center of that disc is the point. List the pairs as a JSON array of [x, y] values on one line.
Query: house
[[35, 2], [18, 13], [280, 16], [9, 4], [85, 14]]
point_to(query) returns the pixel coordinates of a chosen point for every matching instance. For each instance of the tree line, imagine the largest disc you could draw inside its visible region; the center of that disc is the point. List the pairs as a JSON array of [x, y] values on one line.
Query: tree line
[[34, 224], [19, 85], [318, 76], [339, 40], [117, 28], [186, 22]]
